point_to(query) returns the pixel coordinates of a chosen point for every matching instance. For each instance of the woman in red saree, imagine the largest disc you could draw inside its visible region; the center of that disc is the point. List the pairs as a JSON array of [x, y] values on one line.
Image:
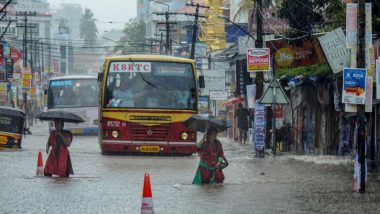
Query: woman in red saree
[[59, 162], [212, 160]]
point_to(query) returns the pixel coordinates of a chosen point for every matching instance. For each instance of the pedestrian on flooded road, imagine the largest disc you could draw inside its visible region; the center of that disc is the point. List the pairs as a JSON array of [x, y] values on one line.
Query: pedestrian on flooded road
[[212, 160], [242, 115], [59, 162]]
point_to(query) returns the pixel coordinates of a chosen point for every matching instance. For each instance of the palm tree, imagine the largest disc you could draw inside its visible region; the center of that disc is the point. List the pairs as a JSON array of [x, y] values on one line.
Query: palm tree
[[88, 29]]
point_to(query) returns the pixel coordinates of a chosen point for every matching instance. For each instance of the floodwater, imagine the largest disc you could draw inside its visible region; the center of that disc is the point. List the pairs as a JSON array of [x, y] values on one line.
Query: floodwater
[[113, 184]]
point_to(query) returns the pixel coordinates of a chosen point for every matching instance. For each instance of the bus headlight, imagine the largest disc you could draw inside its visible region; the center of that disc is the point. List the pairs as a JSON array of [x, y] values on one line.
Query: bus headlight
[[184, 136], [115, 134]]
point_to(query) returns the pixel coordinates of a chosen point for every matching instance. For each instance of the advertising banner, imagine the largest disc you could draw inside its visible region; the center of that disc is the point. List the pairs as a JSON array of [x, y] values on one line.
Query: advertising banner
[[289, 56], [369, 94], [258, 59], [9, 31], [218, 95], [251, 95], [259, 128], [271, 22], [279, 115], [242, 77], [3, 88], [354, 85], [358, 172], [368, 39], [203, 104], [334, 46], [16, 55]]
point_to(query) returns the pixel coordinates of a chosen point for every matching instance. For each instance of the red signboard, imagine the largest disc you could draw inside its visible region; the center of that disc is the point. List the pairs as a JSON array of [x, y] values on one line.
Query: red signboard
[[258, 59], [16, 55]]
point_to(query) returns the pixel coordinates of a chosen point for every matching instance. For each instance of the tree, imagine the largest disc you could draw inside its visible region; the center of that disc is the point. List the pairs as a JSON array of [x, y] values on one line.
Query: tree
[[134, 37], [88, 29], [326, 13]]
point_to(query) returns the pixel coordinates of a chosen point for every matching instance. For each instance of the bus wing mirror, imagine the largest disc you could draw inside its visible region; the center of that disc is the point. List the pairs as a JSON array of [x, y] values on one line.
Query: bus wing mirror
[[45, 92], [201, 81], [100, 77]]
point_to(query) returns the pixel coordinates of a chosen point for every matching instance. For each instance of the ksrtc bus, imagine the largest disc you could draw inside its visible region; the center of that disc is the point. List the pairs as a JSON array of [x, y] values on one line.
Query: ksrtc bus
[[144, 100], [79, 95]]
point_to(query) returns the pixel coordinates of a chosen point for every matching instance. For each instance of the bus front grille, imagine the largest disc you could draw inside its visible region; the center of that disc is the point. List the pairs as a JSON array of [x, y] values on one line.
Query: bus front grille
[[150, 133]]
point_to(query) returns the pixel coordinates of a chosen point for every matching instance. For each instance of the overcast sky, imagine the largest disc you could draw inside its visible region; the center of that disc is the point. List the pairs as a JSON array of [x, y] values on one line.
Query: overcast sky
[[119, 11]]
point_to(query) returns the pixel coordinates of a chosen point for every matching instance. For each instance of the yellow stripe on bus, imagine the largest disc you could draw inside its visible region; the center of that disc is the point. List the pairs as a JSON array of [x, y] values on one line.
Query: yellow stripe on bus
[[150, 118]]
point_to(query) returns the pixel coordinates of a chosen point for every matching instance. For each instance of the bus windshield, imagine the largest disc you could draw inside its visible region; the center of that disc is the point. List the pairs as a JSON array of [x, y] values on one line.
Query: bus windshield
[[161, 85], [72, 93]]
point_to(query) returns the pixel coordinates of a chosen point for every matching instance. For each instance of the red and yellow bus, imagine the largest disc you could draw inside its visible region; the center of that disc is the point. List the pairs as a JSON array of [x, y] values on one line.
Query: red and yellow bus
[[144, 100]]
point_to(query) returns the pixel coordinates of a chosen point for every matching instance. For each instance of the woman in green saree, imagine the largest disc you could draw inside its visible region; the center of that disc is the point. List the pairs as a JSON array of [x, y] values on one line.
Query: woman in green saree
[[212, 160]]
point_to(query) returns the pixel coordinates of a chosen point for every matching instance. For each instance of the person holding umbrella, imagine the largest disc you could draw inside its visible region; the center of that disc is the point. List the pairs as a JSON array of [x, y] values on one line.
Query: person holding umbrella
[[210, 150], [212, 159], [59, 161]]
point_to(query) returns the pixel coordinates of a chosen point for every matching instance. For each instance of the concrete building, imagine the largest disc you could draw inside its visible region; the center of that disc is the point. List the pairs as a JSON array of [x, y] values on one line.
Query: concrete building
[[71, 14]]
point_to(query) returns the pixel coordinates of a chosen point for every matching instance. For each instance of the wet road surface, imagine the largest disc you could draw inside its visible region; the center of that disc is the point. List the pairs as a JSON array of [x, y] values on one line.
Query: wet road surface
[[113, 184]]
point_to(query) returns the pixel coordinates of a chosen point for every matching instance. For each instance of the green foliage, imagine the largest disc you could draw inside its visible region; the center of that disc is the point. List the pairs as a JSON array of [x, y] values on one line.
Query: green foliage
[[303, 14], [313, 70], [88, 29], [134, 37]]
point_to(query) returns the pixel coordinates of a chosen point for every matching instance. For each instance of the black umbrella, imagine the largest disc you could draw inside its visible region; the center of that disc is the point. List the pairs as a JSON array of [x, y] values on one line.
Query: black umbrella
[[60, 115], [11, 111], [201, 123]]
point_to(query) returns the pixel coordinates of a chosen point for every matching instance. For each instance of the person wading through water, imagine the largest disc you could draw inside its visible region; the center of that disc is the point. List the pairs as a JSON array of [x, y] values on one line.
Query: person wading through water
[[59, 162], [212, 160]]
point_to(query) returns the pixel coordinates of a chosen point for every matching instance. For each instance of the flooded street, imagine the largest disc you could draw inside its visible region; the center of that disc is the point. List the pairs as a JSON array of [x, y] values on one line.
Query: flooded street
[[113, 184]]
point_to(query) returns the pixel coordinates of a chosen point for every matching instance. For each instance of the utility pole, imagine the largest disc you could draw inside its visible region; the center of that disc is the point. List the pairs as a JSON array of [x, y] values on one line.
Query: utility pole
[[25, 36], [43, 59], [361, 145], [167, 29], [25, 40], [49, 60], [259, 80], [195, 32], [195, 27], [161, 41], [167, 32]]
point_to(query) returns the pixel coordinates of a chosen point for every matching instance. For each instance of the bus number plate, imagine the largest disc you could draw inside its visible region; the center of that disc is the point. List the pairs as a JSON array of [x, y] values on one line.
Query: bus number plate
[[149, 149]]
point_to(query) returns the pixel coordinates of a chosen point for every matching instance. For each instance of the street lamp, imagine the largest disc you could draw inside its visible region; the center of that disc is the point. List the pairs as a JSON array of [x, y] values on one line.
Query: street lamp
[[119, 44], [109, 39], [238, 26], [158, 2]]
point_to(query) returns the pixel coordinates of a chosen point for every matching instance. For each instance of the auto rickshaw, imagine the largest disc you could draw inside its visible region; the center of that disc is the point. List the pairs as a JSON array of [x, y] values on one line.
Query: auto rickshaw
[[11, 127]]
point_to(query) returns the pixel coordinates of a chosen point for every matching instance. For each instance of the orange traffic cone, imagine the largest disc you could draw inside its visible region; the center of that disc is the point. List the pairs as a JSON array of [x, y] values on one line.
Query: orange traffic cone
[[147, 200], [40, 165]]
